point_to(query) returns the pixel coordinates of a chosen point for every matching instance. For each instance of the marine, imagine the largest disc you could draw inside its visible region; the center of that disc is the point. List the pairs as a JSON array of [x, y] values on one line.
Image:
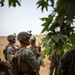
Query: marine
[[54, 58], [36, 50], [68, 62], [27, 63], [10, 49], [4, 67]]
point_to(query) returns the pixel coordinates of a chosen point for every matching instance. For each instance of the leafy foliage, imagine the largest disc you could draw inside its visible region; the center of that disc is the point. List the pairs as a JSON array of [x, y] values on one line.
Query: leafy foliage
[[2, 3], [43, 3], [10, 3], [58, 26]]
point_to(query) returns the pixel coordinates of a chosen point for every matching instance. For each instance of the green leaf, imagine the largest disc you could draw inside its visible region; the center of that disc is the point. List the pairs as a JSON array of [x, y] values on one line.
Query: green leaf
[[54, 26], [66, 47], [13, 3], [10, 2], [18, 3], [43, 4], [59, 37], [71, 11], [56, 38], [51, 51], [45, 52], [47, 23], [72, 38], [52, 1], [2, 3]]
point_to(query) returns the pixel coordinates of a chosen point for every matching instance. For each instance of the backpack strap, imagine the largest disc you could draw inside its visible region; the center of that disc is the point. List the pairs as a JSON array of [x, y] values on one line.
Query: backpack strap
[[5, 52], [20, 58]]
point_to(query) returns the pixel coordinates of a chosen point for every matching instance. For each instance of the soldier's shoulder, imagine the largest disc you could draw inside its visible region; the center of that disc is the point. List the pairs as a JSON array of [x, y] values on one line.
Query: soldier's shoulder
[[27, 51], [27, 54], [9, 47]]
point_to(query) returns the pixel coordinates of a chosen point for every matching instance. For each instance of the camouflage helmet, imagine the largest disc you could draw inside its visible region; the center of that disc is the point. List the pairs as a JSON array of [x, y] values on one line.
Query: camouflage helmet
[[10, 37], [33, 40], [23, 36]]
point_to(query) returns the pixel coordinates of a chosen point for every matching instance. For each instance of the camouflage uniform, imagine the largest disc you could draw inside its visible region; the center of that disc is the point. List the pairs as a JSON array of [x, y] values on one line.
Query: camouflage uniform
[[54, 64], [35, 50], [10, 49], [4, 67], [68, 62], [33, 47], [26, 60]]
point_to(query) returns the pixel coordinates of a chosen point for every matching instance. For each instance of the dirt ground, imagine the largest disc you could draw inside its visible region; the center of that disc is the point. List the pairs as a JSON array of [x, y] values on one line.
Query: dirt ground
[[43, 70]]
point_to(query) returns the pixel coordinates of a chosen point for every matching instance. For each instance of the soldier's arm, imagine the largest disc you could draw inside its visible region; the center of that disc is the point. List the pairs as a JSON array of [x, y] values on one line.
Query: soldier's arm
[[41, 62], [30, 58], [10, 50]]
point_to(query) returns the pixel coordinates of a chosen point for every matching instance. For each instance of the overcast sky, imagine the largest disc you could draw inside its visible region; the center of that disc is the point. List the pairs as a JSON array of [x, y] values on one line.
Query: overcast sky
[[24, 18]]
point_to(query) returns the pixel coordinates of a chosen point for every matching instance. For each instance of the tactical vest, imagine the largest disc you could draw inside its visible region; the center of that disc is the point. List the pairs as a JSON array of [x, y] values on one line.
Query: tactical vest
[[19, 65], [22, 63]]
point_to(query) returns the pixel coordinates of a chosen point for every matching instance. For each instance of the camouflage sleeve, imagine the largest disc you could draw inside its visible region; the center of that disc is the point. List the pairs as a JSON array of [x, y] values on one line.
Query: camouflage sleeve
[[64, 60], [40, 61], [10, 50], [28, 56]]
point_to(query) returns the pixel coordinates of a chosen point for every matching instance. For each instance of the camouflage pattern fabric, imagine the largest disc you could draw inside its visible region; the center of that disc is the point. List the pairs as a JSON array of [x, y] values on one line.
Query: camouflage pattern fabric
[[10, 37], [26, 58], [23, 36], [9, 50], [40, 61], [4, 67], [68, 63], [54, 64], [35, 50]]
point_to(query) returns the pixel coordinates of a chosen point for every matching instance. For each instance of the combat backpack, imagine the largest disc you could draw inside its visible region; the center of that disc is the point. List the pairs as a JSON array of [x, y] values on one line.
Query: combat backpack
[[18, 65], [23, 65], [15, 64], [5, 52]]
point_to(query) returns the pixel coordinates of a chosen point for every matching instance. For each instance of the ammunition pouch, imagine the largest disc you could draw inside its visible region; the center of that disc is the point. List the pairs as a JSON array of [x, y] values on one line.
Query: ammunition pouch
[[24, 67]]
